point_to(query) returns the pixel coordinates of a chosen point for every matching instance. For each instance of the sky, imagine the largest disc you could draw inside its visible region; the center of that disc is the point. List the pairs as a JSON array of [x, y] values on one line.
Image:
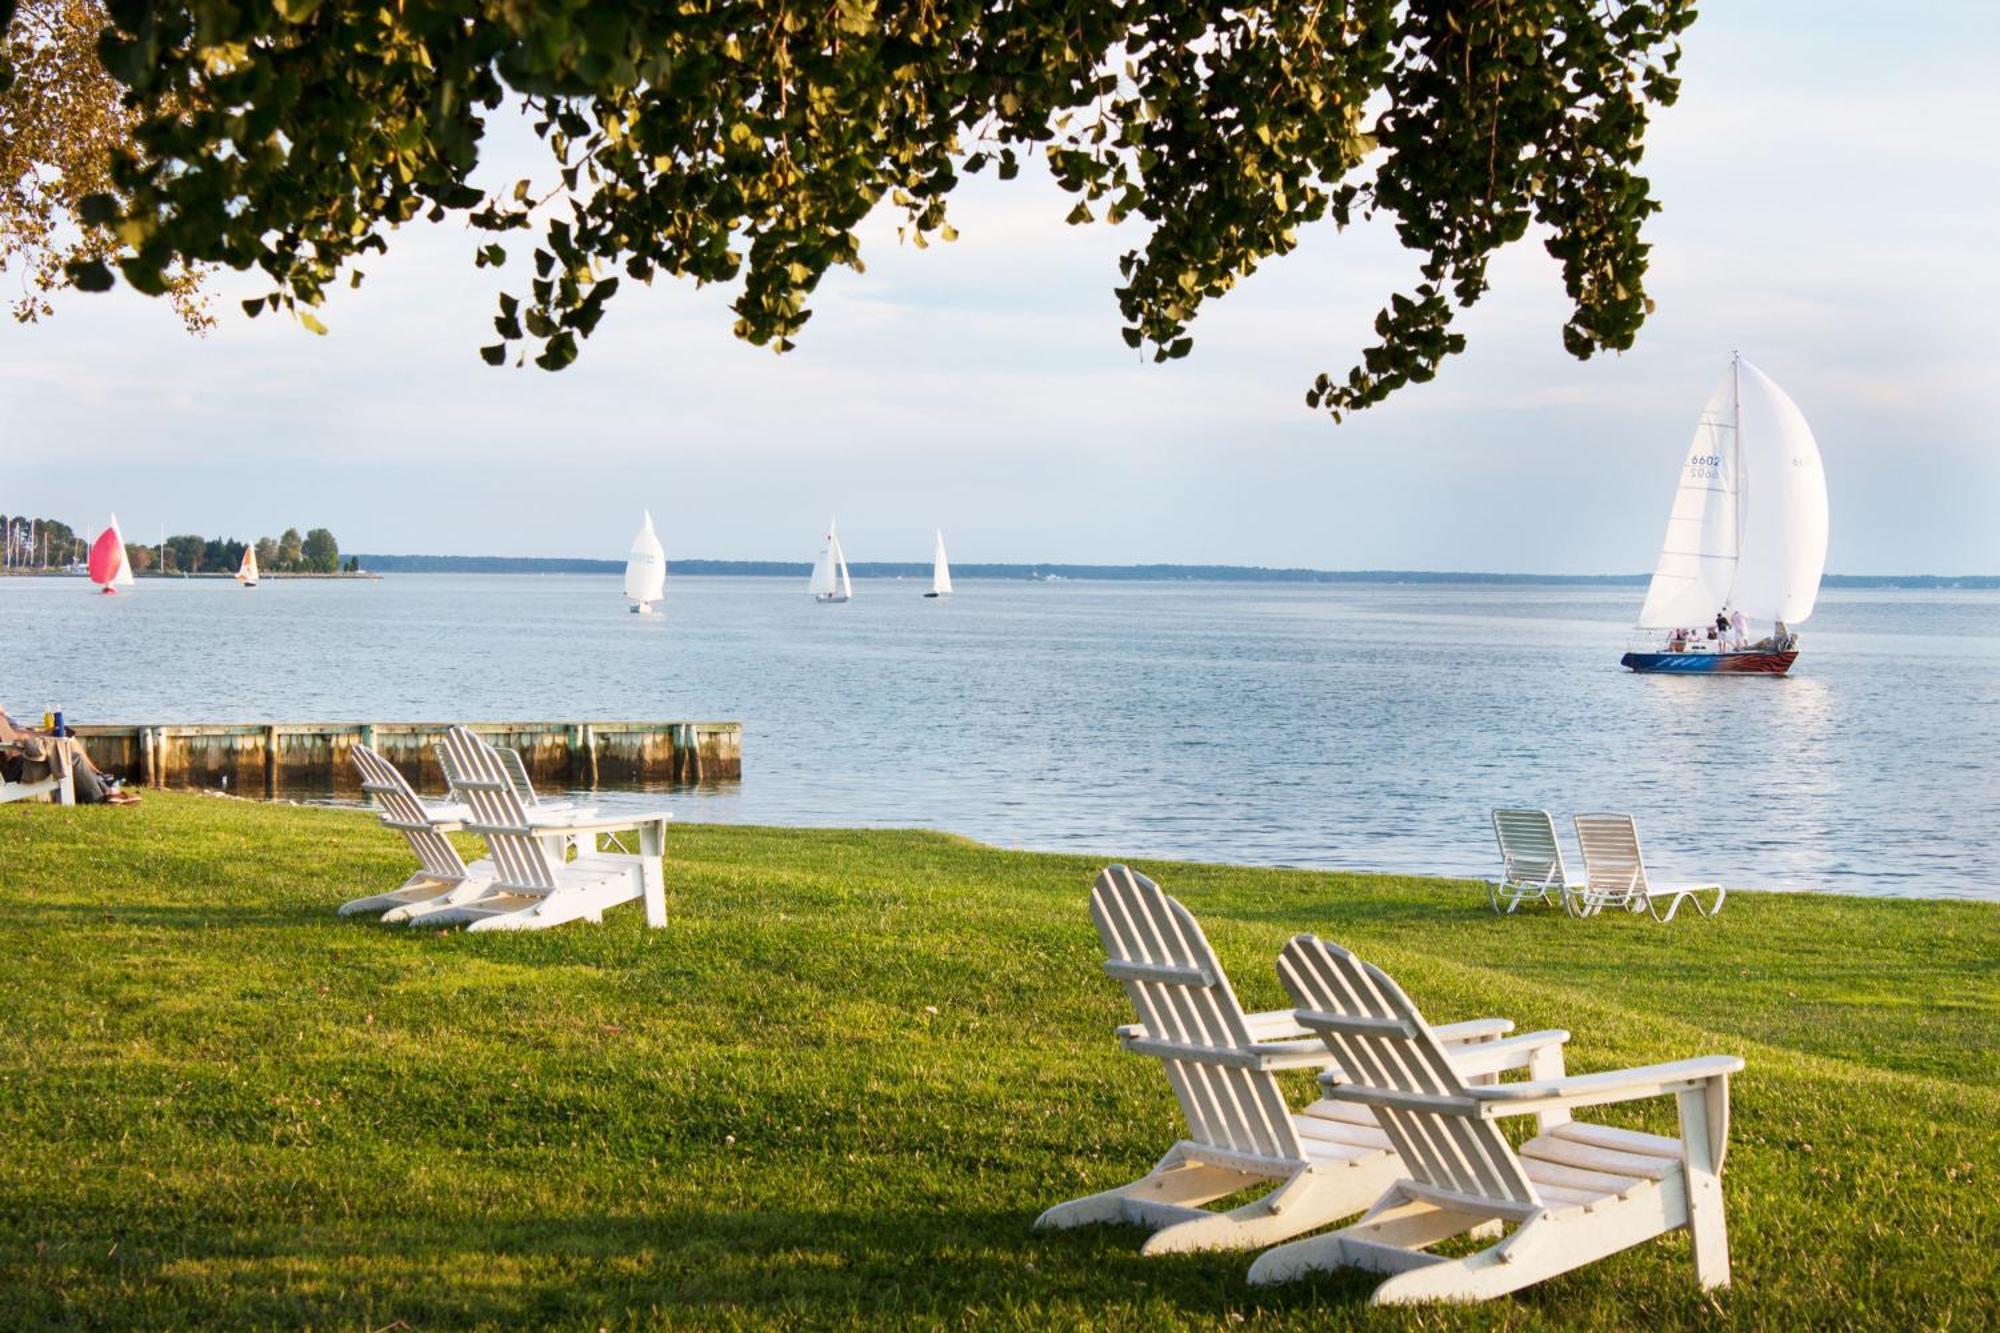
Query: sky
[[1831, 181]]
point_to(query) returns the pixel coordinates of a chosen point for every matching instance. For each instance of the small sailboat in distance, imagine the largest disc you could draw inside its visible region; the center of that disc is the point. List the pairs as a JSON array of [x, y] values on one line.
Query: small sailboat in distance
[[940, 570], [1746, 540], [830, 582], [646, 569], [246, 573], [110, 568]]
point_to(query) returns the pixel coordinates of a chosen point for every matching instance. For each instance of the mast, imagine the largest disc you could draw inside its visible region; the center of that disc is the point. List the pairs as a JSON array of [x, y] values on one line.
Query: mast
[[1736, 441]]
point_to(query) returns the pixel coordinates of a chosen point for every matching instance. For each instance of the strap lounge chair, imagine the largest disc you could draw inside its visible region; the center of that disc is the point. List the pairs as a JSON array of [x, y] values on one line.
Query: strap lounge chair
[[533, 887], [1327, 1161], [1531, 860], [1615, 874], [1573, 1194], [441, 872]]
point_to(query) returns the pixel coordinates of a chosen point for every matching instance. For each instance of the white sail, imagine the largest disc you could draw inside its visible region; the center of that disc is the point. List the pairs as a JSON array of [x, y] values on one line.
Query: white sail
[[1698, 556], [1749, 523], [840, 560], [646, 566], [829, 569], [1782, 502], [940, 569]]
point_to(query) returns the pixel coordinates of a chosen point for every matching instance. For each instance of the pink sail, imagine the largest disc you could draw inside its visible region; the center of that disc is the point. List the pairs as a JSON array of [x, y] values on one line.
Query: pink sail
[[109, 568]]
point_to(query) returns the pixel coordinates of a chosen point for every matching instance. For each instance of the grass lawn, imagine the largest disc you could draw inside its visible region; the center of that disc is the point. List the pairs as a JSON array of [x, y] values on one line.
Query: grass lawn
[[843, 1081]]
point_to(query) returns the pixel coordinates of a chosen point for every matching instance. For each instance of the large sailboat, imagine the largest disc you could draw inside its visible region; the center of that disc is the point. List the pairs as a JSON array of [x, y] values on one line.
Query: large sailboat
[[110, 568], [646, 569], [830, 582], [246, 573], [940, 570], [1746, 540]]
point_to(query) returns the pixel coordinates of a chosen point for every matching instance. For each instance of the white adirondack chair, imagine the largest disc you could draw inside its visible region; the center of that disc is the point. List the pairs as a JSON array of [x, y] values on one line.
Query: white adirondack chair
[[533, 887], [441, 872], [1327, 1161], [517, 772], [1531, 860], [1574, 1193], [28, 791], [1615, 874]]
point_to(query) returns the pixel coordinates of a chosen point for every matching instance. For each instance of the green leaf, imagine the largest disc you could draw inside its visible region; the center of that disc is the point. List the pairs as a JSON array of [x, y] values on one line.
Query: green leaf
[[312, 323], [97, 210], [91, 276]]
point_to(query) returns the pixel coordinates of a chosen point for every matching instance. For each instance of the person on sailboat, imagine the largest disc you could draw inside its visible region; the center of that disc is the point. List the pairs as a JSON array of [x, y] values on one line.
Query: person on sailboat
[[1739, 630]]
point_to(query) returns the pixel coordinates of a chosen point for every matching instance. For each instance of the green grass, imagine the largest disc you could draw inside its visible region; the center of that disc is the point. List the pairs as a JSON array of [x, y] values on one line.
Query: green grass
[[842, 1082]]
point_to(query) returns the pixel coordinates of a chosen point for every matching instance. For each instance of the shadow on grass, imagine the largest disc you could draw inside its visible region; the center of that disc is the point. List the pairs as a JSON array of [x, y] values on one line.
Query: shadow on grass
[[709, 1267], [169, 916]]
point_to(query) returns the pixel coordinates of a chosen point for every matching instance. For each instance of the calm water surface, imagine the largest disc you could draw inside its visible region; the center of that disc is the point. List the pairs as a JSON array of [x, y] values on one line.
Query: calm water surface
[[1362, 727]]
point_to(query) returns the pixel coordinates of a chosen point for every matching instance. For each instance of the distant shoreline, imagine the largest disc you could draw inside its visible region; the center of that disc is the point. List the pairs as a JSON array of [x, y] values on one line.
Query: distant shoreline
[[201, 574], [500, 564]]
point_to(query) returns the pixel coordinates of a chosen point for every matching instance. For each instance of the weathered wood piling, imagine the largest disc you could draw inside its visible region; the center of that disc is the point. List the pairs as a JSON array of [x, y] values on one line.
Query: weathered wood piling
[[315, 757]]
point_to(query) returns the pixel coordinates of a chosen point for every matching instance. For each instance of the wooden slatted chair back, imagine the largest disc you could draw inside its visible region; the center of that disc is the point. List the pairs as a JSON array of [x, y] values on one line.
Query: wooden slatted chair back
[[401, 810], [1191, 1019], [1528, 846], [517, 771], [499, 815], [1395, 1064], [1611, 859]]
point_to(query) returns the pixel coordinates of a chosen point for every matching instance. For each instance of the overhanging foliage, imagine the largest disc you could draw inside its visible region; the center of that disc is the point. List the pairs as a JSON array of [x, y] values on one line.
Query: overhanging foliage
[[745, 140]]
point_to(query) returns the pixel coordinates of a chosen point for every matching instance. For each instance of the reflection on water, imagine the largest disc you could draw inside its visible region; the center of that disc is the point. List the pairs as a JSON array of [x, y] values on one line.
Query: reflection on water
[[1368, 727]]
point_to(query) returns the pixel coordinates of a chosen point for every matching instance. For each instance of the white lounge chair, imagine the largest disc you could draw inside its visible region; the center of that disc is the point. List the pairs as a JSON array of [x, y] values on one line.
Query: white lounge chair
[[1574, 1193], [1615, 874], [1328, 1161], [533, 887], [1531, 860], [441, 871]]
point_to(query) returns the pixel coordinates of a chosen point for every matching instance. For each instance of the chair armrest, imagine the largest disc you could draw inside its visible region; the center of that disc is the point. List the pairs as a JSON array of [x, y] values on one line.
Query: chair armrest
[[1617, 1085], [1309, 1054], [1473, 1029], [1275, 1025], [589, 821], [1491, 1057]]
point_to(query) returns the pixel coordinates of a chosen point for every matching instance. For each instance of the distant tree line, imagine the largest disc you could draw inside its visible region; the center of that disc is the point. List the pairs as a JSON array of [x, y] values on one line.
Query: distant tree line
[[29, 542]]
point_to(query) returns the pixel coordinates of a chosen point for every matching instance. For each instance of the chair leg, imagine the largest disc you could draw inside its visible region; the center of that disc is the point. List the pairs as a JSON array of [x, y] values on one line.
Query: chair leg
[[1307, 1201], [1701, 1149], [1173, 1180]]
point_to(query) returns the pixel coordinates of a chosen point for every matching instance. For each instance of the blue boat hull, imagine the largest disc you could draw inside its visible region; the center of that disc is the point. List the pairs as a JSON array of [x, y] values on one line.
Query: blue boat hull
[[1713, 664]]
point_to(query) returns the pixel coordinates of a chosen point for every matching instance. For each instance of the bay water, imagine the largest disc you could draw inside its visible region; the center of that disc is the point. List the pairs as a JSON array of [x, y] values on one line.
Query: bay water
[[1354, 726]]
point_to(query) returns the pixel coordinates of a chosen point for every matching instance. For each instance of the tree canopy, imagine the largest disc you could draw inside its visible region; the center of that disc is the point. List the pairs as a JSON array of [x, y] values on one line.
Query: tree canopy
[[744, 141], [62, 118]]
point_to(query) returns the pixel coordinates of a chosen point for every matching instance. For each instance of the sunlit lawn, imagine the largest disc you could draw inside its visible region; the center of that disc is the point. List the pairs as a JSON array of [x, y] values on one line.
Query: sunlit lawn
[[844, 1080]]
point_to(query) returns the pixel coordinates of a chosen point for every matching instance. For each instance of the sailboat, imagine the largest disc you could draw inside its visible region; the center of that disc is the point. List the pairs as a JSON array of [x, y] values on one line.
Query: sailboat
[[246, 573], [830, 582], [646, 569], [1746, 540], [110, 568], [940, 570]]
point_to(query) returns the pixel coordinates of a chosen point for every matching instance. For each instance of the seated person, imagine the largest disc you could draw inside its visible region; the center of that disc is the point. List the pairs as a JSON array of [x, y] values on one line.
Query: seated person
[[28, 754]]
